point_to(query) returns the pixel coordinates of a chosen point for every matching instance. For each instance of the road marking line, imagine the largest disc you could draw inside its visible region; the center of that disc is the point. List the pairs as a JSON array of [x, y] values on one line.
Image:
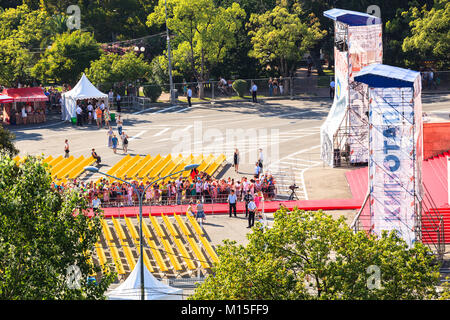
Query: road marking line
[[161, 132], [166, 109], [139, 112], [137, 135]]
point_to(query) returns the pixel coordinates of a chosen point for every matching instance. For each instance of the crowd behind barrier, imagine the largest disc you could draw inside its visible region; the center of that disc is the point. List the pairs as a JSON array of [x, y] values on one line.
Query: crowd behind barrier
[[173, 192]]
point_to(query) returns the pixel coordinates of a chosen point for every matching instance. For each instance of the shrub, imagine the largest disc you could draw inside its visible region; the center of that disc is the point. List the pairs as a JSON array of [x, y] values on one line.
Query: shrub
[[153, 92], [241, 87]]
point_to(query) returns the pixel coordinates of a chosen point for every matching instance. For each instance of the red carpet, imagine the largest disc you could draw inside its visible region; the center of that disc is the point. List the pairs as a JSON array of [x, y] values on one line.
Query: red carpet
[[222, 208]]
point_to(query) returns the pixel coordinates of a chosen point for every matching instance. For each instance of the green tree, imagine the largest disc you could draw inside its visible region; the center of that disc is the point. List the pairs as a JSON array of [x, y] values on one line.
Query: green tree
[[204, 33], [280, 38], [112, 68], [430, 34], [42, 234], [15, 62], [7, 142], [69, 55], [310, 255]]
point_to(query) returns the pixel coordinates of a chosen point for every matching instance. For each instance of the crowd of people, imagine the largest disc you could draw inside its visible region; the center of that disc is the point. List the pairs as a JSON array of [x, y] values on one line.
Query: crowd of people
[[198, 187]]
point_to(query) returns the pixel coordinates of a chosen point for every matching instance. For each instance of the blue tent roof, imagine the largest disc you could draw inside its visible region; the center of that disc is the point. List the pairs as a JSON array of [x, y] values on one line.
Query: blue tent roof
[[379, 75], [352, 18]]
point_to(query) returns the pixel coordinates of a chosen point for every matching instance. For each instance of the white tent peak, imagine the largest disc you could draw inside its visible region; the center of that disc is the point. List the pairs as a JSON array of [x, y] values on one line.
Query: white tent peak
[[130, 289], [83, 90]]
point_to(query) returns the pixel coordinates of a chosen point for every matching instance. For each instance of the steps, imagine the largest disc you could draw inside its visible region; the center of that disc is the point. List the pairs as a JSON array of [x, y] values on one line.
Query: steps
[[430, 222]]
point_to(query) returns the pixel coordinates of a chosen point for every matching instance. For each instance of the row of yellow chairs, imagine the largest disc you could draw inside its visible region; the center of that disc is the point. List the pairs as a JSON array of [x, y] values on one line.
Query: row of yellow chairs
[[64, 169], [189, 251], [147, 168]]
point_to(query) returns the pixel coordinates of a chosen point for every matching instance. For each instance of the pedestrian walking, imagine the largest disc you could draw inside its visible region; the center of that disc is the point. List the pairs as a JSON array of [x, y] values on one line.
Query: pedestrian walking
[[232, 199], [257, 170], [236, 160], [332, 86], [66, 148], [254, 90], [106, 116], [110, 135], [114, 141], [119, 125], [124, 142], [252, 209], [189, 96], [200, 212]]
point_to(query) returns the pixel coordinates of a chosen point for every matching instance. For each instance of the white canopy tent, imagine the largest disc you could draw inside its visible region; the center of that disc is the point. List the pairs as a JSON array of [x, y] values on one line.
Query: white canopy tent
[[84, 89], [130, 289]]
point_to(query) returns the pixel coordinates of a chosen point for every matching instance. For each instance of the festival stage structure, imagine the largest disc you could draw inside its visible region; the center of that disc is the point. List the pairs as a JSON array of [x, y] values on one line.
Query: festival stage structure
[[357, 43]]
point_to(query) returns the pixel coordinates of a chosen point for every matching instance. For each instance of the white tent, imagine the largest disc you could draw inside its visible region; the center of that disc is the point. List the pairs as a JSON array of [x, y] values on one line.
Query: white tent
[[130, 289], [84, 89]]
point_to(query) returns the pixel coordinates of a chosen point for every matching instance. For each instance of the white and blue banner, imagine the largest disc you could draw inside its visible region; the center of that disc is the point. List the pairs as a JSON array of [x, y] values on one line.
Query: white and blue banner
[[394, 158]]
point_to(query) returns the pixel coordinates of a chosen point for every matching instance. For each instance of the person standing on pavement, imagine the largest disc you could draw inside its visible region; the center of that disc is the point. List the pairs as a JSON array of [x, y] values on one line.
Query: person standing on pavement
[[124, 142], [253, 90], [79, 112], [236, 161], [66, 149], [252, 209], [110, 135], [99, 115], [118, 102], [189, 96], [260, 160], [115, 141], [247, 198], [232, 199], [96, 203], [200, 212], [119, 125], [332, 85], [90, 110]]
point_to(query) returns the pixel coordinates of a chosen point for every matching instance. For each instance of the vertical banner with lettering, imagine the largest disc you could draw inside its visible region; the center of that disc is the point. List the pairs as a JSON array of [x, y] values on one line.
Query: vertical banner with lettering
[[394, 150]]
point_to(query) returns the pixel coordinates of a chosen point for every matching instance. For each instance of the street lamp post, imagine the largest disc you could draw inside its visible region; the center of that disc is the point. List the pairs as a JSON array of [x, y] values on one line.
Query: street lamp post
[[169, 55], [140, 197]]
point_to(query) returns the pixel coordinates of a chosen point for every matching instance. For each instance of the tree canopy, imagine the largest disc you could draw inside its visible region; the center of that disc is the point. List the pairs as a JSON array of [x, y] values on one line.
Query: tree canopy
[[112, 68], [203, 32], [281, 38], [43, 233], [430, 34], [69, 55], [209, 38], [310, 255]]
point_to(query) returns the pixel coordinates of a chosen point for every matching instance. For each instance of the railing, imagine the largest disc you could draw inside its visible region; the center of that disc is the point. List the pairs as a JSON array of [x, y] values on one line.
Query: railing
[[433, 215], [174, 200]]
